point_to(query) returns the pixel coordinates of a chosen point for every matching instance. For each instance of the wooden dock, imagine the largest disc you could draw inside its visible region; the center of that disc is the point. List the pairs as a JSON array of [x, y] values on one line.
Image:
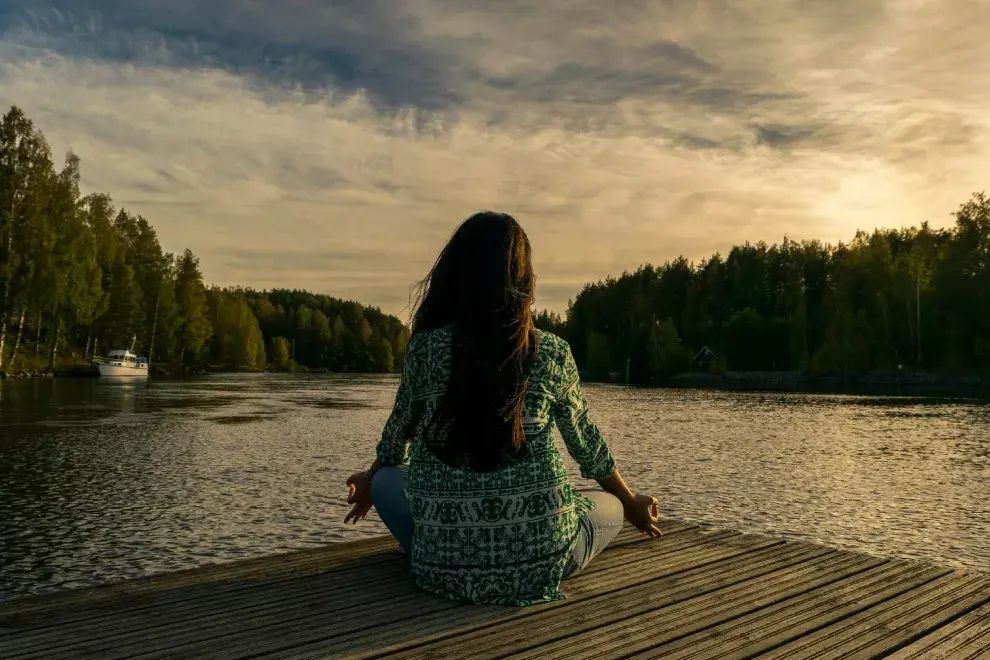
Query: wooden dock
[[694, 594]]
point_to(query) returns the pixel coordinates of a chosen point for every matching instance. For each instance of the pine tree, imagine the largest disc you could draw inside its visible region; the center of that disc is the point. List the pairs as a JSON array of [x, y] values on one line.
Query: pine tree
[[193, 327]]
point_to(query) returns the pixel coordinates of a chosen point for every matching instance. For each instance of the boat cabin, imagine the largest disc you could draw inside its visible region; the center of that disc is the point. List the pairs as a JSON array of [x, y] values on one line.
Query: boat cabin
[[126, 359]]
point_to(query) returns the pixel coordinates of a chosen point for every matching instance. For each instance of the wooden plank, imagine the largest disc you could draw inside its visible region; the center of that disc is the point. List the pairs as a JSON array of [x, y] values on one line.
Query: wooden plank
[[188, 583], [918, 621], [275, 635], [696, 593], [131, 641], [656, 550], [616, 605], [367, 578], [326, 593], [895, 622], [768, 628], [630, 534], [364, 580], [966, 638], [418, 630], [208, 584], [633, 628], [635, 571], [154, 623]]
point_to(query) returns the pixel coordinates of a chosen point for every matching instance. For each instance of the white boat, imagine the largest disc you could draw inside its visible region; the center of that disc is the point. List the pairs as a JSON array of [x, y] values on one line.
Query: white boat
[[122, 364]]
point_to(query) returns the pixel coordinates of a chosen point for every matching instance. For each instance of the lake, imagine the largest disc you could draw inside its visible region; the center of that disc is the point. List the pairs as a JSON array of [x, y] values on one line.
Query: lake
[[101, 481]]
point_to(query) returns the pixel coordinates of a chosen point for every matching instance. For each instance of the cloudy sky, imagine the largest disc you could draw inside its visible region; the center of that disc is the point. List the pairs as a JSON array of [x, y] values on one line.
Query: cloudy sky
[[335, 144]]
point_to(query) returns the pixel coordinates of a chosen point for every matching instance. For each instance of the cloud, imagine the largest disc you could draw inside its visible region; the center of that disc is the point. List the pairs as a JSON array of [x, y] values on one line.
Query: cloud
[[335, 146]]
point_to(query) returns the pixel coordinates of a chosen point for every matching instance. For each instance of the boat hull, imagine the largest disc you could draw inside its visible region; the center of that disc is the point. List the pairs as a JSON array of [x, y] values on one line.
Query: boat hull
[[121, 371]]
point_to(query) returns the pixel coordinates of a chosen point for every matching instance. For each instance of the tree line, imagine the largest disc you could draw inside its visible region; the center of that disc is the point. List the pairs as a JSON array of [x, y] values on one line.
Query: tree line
[[913, 299], [79, 277]]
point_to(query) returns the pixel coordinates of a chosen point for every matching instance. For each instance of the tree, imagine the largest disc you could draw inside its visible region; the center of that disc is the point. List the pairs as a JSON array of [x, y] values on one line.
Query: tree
[[190, 297], [123, 320], [280, 358], [743, 339], [70, 276], [26, 178], [381, 352], [550, 321], [599, 357], [98, 213], [164, 318], [80, 276], [962, 282], [668, 357], [237, 343]]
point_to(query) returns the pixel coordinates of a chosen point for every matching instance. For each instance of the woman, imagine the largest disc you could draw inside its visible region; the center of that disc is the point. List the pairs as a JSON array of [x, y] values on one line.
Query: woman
[[467, 477]]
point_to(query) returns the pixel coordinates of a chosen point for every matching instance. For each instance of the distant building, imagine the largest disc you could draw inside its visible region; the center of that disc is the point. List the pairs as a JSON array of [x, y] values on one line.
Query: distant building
[[704, 360]]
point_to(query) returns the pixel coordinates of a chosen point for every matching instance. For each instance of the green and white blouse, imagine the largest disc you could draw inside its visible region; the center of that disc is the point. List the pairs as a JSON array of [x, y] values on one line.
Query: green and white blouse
[[500, 537]]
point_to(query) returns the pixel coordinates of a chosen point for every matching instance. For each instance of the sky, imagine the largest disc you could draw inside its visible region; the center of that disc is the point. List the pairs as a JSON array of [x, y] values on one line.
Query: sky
[[334, 145]]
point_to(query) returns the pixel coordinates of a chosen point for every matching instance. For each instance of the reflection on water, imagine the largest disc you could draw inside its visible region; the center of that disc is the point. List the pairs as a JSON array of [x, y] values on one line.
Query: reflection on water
[[103, 480]]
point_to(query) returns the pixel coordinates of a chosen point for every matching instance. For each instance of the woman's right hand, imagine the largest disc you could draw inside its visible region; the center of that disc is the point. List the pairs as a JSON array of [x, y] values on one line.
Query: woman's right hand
[[359, 494], [643, 513]]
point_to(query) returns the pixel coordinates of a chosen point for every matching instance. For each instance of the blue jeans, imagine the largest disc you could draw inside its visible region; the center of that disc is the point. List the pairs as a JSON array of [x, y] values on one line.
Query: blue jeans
[[597, 527]]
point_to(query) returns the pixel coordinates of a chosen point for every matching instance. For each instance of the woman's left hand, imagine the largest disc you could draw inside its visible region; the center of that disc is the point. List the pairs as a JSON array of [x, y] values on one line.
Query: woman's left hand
[[359, 495]]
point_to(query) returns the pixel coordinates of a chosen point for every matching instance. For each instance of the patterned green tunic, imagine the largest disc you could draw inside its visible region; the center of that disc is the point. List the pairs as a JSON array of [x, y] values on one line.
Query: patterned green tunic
[[501, 537]]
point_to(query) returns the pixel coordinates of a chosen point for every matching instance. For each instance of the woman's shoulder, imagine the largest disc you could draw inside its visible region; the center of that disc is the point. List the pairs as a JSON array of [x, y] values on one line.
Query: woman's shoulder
[[428, 337], [550, 347]]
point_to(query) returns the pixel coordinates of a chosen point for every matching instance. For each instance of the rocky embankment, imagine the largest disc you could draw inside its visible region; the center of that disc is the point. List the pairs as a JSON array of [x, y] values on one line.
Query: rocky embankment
[[76, 371], [25, 374]]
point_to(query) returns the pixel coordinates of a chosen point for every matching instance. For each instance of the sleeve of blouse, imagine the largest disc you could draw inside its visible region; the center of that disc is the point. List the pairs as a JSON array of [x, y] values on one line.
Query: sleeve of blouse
[[393, 448], [581, 436]]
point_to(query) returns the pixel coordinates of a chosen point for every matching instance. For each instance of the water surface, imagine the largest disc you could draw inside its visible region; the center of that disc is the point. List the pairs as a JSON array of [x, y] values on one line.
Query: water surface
[[101, 481]]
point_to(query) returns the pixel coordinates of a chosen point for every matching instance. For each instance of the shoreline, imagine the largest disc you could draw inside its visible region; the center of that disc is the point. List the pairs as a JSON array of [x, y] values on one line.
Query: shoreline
[[83, 371], [772, 381], [877, 383], [911, 383]]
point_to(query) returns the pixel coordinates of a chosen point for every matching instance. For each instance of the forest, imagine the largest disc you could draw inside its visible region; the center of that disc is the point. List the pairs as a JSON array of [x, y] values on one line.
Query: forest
[[890, 301], [79, 277]]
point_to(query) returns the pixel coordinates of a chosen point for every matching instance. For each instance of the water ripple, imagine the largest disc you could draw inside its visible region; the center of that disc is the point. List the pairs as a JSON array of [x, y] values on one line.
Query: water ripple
[[101, 482]]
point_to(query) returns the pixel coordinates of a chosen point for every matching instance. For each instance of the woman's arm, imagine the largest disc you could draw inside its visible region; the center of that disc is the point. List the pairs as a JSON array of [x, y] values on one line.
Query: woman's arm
[[616, 485], [393, 448], [586, 445], [582, 437], [642, 511]]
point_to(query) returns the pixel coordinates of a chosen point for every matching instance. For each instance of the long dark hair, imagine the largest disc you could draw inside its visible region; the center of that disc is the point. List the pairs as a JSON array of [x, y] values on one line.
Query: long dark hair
[[482, 287]]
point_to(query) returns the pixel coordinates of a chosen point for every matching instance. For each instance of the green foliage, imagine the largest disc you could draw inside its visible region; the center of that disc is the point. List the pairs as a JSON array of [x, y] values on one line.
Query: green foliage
[[915, 298], [190, 297], [79, 277], [236, 343], [281, 359], [324, 332], [755, 343], [550, 322], [599, 356], [668, 356], [381, 353]]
